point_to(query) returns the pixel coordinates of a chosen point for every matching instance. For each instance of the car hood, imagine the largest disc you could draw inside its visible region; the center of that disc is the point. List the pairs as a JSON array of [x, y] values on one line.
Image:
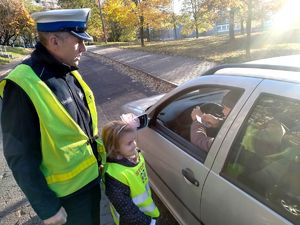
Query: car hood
[[139, 107]]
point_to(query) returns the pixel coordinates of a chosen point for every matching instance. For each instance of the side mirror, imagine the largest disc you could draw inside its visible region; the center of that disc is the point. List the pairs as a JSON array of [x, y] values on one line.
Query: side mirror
[[144, 120], [138, 122]]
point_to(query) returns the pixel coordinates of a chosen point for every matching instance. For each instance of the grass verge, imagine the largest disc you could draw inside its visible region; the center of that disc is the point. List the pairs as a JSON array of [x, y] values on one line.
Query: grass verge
[[220, 49], [15, 52]]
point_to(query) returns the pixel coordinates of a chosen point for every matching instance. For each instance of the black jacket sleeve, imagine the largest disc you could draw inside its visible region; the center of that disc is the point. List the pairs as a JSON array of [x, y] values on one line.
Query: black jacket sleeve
[[119, 195], [21, 146]]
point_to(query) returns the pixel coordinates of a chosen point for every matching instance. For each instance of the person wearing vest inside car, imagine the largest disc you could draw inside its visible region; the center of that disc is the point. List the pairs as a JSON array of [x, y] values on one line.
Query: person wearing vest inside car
[[49, 123]]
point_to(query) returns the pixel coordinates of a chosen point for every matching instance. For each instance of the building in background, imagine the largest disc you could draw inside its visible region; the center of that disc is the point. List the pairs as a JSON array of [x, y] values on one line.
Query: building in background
[[47, 4]]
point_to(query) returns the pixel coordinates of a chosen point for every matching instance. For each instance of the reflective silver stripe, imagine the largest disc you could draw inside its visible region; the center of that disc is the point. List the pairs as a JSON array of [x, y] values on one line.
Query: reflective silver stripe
[[147, 187], [153, 222], [142, 197], [149, 208]]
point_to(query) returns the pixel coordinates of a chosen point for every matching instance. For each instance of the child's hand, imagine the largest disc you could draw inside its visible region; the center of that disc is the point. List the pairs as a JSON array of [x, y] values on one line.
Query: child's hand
[[131, 119]]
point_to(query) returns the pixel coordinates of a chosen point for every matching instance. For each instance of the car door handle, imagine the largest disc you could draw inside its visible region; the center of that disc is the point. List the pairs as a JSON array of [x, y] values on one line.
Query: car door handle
[[189, 176]]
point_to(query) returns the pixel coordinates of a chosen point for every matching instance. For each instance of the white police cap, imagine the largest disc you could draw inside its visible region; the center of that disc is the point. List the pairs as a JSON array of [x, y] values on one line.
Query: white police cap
[[59, 20]]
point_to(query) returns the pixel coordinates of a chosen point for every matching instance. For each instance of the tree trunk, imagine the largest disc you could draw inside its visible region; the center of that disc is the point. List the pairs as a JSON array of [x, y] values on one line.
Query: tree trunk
[[197, 32], [231, 24], [102, 22], [142, 31], [262, 23], [242, 26], [174, 28], [148, 33], [249, 19], [196, 25]]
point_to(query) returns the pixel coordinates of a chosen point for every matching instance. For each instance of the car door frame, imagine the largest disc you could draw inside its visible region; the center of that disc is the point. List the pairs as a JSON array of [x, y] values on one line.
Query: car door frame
[[215, 181], [246, 83]]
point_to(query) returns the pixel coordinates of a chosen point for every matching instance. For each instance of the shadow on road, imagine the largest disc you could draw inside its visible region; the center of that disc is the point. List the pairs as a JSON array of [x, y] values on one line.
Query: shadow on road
[[13, 207], [33, 221]]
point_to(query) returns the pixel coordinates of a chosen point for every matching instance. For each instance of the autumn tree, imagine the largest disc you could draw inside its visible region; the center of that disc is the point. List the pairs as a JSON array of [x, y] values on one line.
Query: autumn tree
[[127, 17], [229, 8], [29, 32], [158, 16], [94, 24], [263, 9], [15, 19], [234, 7], [121, 20], [255, 7], [151, 13], [199, 11]]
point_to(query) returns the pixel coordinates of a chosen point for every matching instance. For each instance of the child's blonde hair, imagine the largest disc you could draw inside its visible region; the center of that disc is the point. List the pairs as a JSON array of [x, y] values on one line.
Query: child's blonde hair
[[111, 134]]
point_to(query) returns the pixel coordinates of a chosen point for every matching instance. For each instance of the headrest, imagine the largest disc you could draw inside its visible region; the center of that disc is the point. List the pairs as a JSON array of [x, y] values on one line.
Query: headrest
[[231, 98]]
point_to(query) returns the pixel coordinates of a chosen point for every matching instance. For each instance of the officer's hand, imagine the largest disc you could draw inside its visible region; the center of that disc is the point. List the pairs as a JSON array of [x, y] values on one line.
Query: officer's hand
[[58, 219]]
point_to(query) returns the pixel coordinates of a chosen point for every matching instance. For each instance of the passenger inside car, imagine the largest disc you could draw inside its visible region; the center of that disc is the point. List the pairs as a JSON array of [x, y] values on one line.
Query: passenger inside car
[[268, 164], [265, 144], [203, 122]]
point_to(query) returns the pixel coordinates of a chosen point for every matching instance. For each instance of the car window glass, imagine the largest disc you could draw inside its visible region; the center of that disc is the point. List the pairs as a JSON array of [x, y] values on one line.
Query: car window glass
[[176, 116], [265, 158]]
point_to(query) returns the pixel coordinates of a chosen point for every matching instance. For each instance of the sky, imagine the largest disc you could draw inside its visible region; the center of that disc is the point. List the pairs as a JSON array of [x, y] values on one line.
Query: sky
[[177, 5]]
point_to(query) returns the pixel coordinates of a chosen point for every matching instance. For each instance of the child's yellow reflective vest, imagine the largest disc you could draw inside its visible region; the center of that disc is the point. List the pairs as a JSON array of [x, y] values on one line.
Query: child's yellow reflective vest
[[68, 162], [136, 179]]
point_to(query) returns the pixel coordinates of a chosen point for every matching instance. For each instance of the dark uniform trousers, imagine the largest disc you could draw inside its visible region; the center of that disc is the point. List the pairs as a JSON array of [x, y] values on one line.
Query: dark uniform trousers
[[83, 208]]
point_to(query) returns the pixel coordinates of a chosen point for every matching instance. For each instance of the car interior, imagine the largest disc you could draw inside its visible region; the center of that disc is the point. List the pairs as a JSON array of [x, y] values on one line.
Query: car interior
[[177, 115]]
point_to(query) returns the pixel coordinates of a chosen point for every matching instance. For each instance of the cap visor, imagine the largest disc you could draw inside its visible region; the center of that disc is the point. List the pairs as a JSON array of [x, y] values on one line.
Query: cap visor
[[83, 36]]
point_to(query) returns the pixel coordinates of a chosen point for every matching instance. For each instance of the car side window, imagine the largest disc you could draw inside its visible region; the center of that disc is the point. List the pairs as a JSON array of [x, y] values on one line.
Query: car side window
[[264, 160], [178, 116]]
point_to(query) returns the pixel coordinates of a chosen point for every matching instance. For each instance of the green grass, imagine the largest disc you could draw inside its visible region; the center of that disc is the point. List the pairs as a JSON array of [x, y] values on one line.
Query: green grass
[[220, 49], [217, 49], [115, 44], [16, 53]]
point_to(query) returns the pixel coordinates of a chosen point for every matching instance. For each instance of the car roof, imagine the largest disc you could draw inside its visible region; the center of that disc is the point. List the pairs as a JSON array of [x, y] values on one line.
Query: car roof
[[284, 68]]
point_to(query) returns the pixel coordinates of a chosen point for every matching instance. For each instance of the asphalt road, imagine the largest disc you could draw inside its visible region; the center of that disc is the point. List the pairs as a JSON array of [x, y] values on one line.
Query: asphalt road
[[112, 89]]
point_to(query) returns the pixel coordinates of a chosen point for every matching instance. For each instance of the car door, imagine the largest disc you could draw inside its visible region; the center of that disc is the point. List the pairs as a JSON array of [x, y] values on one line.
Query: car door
[[254, 178], [177, 169]]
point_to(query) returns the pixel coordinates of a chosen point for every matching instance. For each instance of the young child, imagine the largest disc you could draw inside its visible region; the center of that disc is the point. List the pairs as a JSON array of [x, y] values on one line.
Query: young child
[[126, 179]]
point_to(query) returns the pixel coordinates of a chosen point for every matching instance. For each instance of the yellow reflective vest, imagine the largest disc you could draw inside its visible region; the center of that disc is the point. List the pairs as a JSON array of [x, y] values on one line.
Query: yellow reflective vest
[[68, 162], [136, 179]]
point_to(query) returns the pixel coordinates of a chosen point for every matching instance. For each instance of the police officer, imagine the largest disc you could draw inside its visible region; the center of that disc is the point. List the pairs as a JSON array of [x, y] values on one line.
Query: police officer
[[49, 123]]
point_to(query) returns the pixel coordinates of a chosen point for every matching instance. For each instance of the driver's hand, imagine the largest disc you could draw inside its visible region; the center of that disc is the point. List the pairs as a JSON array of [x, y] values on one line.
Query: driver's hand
[[196, 112], [58, 219], [210, 120]]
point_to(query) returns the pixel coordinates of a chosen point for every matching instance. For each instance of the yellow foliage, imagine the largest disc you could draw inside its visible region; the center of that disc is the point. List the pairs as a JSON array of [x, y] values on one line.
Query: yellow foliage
[[128, 13], [14, 17]]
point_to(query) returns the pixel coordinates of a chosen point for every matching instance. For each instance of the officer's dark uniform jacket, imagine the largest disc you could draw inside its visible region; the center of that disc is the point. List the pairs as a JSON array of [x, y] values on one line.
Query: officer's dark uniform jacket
[[21, 130]]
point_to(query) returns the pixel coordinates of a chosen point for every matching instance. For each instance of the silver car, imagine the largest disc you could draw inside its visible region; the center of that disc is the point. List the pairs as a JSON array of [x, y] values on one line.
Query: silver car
[[250, 173]]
